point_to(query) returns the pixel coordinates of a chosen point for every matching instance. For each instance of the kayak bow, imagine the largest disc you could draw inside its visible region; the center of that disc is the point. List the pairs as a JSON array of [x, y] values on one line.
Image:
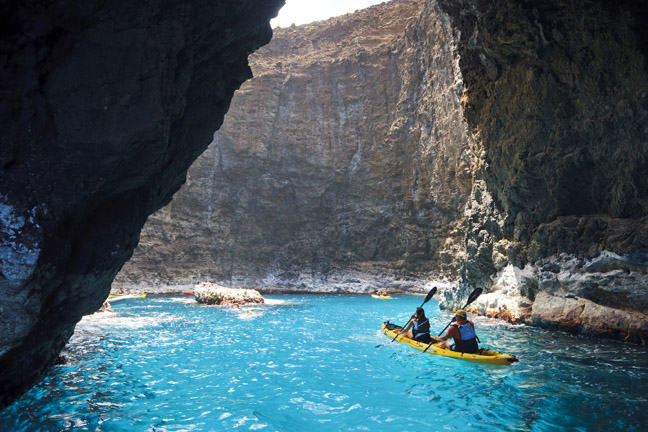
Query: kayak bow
[[483, 356]]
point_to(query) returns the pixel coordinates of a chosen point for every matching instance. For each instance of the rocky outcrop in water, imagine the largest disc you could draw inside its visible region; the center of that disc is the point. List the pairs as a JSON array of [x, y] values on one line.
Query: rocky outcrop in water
[[342, 165], [214, 294], [104, 106], [556, 102]]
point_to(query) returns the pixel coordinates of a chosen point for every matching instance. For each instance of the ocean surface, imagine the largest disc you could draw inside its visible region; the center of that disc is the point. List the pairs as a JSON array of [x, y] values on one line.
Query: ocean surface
[[321, 363]]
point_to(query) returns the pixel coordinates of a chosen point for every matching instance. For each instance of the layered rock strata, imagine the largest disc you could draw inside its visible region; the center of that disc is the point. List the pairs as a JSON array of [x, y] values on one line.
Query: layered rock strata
[[348, 154], [556, 102], [104, 105], [343, 165]]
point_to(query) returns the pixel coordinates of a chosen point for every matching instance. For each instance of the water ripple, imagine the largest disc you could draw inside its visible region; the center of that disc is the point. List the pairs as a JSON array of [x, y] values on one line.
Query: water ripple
[[311, 363]]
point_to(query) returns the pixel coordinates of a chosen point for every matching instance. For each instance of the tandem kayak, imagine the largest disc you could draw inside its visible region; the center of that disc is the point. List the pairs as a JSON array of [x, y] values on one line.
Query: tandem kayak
[[384, 297], [118, 297], [483, 356]]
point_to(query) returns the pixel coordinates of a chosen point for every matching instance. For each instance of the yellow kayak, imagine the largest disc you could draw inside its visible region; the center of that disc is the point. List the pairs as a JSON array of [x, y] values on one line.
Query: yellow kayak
[[384, 297], [484, 355], [118, 297]]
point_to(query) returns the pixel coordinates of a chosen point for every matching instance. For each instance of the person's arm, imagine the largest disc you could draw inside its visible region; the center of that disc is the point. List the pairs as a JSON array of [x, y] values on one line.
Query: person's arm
[[450, 334], [408, 326]]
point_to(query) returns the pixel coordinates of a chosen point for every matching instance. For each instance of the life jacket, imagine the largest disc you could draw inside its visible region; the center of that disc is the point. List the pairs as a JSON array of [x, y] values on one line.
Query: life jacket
[[419, 330], [468, 341]]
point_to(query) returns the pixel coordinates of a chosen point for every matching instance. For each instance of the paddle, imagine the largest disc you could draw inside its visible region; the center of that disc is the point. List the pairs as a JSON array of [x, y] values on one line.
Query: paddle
[[471, 298], [427, 298]]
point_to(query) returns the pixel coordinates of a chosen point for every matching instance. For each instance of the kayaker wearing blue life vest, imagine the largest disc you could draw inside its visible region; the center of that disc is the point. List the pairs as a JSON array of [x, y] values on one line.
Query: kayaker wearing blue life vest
[[463, 333], [420, 327]]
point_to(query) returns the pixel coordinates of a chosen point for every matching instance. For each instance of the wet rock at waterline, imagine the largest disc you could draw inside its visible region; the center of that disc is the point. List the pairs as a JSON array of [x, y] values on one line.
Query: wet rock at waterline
[[105, 307], [214, 294], [104, 106]]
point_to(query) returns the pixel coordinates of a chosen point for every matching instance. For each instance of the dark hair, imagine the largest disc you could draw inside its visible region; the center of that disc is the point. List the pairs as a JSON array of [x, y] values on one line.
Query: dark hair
[[421, 311]]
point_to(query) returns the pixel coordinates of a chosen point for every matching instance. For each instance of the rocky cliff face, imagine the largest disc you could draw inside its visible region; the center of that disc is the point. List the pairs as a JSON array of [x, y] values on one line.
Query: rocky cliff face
[[502, 144], [343, 164], [557, 108], [104, 106]]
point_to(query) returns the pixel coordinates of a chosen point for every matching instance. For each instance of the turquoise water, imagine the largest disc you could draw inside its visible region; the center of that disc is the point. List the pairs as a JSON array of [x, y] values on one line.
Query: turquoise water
[[310, 363]]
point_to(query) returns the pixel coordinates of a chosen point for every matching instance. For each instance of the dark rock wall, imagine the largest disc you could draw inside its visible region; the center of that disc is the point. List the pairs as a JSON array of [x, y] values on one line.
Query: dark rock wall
[[509, 137], [556, 102], [104, 105], [342, 164]]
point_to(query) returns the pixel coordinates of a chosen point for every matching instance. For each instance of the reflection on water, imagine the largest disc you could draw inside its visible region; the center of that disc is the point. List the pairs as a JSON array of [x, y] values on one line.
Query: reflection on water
[[311, 363]]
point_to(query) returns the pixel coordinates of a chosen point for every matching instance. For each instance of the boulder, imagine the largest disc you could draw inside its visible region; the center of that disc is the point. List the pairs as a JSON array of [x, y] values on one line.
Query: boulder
[[105, 307], [214, 294]]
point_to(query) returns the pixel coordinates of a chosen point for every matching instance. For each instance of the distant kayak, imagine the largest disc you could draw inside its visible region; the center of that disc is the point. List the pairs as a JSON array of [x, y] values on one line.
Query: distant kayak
[[189, 293], [384, 297], [483, 356], [118, 297]]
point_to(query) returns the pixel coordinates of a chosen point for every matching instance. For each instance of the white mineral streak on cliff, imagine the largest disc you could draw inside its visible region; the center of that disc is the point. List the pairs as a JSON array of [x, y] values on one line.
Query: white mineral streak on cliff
[[553, 294]]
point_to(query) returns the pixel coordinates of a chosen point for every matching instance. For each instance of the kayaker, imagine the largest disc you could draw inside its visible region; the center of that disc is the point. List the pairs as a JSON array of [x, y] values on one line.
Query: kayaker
[[420, 327], [463, 334]]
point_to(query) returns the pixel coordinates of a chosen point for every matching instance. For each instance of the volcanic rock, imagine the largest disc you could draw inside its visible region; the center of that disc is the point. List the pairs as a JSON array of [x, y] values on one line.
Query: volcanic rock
[[556, 102], [214, 294], [103, 107], [499, 145], [343, 165]]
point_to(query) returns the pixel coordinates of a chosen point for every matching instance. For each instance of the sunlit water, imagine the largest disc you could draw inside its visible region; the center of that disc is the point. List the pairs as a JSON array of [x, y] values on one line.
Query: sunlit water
[[311, 363]]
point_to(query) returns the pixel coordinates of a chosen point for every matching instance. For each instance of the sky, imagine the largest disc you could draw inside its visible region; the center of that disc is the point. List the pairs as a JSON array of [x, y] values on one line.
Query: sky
[[305, 11]]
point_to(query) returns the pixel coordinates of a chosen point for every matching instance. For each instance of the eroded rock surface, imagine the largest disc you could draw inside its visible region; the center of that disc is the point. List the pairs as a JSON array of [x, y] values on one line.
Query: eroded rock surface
[[342, 165], [556, 103], [500, 144], [214, 294], [103, 107]]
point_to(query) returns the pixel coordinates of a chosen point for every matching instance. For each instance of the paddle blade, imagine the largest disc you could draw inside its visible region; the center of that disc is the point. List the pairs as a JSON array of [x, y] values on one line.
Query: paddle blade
[[430, 295], [473, 296]]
